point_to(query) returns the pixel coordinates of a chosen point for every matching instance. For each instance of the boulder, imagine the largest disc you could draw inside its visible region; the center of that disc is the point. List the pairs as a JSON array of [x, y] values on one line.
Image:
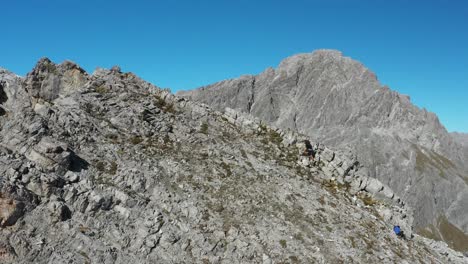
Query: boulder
[[116, 69], [374, 186], [51, 155], [59, 211], [304, 161], [10, 210], [327, 154], [387, 192], [327, 172], [289, 138]]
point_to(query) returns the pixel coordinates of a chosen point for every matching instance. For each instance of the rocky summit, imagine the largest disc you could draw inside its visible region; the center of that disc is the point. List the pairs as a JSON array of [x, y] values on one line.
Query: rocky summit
[[337, 101], [107, 168]]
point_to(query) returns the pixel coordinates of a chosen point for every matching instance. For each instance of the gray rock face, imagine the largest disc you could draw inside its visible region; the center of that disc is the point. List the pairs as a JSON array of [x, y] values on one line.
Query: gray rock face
[[461, 138], [337, 101], [107, 168]]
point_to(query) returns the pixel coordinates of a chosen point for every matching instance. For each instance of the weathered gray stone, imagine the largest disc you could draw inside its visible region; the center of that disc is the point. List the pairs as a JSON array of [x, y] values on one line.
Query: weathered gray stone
[[10, 211], [304, 161], [328, 155], [7, 253], [58, 211], [374, 186], [127, 172]]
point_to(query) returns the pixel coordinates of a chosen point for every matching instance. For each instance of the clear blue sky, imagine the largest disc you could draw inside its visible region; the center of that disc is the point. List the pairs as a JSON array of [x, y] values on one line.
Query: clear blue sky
[[419, 48]]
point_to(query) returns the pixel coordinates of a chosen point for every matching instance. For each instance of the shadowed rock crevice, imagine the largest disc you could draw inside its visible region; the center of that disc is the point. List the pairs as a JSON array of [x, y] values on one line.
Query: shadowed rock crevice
[[251, 100], [77, 164], [3, 96], [3, 99]]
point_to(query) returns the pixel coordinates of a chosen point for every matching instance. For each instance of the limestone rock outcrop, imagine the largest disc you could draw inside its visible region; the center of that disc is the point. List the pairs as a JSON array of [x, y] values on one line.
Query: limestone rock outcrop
[[107, 168]]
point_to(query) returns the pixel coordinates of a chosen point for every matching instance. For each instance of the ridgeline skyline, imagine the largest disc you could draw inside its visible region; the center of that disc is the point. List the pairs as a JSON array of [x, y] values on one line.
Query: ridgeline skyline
[[416, 48]]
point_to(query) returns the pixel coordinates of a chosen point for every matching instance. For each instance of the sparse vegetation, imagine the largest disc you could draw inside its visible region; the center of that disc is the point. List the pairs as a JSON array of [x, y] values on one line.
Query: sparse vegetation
[[427, 158], [163, 105], [294, 259], [243, 153], [299, 237], [283, 243], [367, 199], [167, 139], [227, 168], [204, 129], [83, 229], [112, 136], [135, 140], [455, 237], [322, 200], [102, 167], [262, 128], [113, 168], [51, 68], [275, 137], [353, 242], [82, 253], [102, 90]]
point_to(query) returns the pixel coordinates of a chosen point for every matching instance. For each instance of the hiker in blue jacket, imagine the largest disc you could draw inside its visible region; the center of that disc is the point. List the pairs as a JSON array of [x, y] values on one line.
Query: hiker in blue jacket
[[398, 231]]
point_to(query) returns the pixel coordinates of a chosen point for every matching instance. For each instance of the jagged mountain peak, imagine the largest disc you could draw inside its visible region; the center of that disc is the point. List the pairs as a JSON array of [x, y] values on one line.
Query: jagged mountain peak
[[332, 61], [320, 53], [45, 65], [47, 80], [301, 58]]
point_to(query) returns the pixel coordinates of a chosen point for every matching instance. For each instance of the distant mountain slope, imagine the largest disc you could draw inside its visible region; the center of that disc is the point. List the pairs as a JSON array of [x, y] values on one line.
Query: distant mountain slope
[[338, 101], [461, 138]]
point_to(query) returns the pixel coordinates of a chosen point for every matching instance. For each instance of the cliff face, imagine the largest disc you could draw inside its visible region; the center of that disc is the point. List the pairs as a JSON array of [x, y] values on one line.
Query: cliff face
[[337, 101]]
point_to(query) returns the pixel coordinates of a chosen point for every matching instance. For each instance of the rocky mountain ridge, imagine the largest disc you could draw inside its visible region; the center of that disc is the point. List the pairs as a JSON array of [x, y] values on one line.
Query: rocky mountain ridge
[[107, 168], [337, 101]]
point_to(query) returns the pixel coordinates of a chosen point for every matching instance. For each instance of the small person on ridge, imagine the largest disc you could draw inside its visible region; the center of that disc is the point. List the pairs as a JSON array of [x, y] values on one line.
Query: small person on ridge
[[398, 231], [309, 150]]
